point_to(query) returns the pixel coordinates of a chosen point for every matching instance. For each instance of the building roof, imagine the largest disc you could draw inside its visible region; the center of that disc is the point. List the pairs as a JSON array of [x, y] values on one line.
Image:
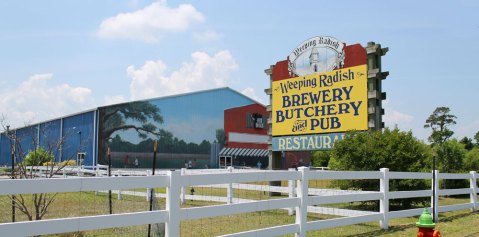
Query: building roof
[[155, 98]]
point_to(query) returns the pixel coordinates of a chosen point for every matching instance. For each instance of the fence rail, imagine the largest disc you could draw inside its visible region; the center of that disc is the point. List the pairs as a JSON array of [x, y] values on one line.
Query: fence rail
[[301, 199]]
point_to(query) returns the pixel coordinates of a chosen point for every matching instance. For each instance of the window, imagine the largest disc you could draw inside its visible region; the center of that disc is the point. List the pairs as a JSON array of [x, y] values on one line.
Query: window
[[255, 120]]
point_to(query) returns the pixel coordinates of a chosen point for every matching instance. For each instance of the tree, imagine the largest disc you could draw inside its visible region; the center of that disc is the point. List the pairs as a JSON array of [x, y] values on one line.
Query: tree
[[450, 156], [468, 145], [370, 151], [439, 121], [220, 137], [143, 117], [471, 161], [476, 137], [321, 158], [28, 151]]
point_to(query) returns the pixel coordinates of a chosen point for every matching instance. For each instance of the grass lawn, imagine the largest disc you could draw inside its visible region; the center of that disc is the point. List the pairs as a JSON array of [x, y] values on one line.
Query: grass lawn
[[458, 223]]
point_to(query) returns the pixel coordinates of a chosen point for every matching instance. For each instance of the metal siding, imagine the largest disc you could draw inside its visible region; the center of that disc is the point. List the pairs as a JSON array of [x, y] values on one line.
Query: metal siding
[[50, 135], [26, 141], [95, 137], [72, 126], [5, 150]]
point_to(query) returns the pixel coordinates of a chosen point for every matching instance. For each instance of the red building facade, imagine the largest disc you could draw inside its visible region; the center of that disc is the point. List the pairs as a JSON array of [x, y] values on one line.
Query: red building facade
[[246, 127]]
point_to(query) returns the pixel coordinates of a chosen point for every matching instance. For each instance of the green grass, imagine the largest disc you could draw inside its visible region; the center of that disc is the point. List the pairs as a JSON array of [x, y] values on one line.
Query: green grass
[[458, 223]]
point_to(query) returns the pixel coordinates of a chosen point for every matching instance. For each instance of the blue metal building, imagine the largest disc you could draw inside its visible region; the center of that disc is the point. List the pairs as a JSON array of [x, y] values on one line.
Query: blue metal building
[[188, 128]]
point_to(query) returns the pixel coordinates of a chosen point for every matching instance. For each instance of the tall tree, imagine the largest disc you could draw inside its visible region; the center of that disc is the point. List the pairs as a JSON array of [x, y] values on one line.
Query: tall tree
[[439, 121], [467, 143], [476, 137], [450, 157], [142, 117], [220, 137]]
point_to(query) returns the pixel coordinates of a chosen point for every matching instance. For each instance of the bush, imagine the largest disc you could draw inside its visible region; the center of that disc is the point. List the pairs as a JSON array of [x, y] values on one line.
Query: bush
[[68, 163], [38, 157], [450, 159], [321, 158], [471, 162], [371, 151]]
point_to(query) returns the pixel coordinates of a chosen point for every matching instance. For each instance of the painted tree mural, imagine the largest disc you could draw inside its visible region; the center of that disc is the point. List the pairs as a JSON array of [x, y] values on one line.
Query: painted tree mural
[[142, 117]]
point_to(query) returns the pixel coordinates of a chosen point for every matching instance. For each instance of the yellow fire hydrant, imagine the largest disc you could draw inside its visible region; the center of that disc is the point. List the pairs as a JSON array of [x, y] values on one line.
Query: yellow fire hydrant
[[426, 226]]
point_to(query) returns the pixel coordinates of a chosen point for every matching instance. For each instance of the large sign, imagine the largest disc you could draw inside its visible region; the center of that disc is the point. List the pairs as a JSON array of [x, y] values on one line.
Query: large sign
[[334, 101]]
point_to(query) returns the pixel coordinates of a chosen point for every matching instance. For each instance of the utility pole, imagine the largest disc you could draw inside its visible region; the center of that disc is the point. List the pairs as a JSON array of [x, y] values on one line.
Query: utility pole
[[12, 147]]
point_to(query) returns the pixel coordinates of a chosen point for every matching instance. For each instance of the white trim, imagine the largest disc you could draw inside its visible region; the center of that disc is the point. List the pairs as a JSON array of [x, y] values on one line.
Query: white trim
[[247, 138]]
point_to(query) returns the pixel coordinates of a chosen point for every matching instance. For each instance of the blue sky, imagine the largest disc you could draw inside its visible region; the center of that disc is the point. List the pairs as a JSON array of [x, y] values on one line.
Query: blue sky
[[61, 57]]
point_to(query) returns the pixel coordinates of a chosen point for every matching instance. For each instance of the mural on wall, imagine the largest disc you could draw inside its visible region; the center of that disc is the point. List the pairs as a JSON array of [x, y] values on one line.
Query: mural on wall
[[142, 117], [186, 128]]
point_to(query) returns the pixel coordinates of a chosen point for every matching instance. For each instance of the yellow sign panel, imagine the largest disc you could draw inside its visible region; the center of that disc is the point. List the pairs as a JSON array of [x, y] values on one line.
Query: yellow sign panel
[[334, 101]]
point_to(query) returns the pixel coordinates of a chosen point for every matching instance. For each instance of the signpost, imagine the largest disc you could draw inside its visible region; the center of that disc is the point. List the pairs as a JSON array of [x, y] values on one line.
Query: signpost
[[152, 190], [323, 89]]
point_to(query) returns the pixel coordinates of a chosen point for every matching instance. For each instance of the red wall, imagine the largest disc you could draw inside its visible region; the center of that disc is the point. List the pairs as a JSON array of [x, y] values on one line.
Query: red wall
[[235, 121]]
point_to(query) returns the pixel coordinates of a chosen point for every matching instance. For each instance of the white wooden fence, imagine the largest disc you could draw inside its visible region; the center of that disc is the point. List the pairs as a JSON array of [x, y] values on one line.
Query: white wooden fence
[[173, 214]]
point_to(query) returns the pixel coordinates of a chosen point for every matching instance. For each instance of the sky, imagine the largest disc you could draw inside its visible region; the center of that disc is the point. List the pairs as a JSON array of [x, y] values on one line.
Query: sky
[[63, 57]]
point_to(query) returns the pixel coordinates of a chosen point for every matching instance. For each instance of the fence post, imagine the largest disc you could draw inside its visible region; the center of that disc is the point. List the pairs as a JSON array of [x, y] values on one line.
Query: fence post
[[435, 197], [119, 191], [473, 183], [302, 209], [173, 204], [96, 175], [148, 190], [230, 188], [291, 192], [182, 191], [384, 201]]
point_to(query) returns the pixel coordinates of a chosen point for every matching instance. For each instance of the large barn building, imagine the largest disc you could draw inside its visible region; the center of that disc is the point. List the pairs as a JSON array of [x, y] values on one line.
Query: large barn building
[[189, 129]]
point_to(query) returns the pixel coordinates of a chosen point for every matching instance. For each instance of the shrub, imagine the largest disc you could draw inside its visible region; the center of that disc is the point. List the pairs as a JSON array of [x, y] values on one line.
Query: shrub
[[38, 157], [371, 151], [68, 163]]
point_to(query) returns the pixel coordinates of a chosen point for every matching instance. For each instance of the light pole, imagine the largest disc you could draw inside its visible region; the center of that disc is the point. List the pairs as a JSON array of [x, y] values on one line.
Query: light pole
[[12, 147], [434, 154], [79, 148], [79, 157]]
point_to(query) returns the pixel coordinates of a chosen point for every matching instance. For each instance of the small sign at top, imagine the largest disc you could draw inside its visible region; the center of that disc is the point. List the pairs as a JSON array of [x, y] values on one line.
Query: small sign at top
[[316, 55]]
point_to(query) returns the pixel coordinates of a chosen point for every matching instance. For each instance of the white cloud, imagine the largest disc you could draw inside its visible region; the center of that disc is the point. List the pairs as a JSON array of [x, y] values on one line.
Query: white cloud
[[117, 99], [467, 130], [150, 23], [394, 117], [36, 99], [250, 92], [207, 36], [203, 72]]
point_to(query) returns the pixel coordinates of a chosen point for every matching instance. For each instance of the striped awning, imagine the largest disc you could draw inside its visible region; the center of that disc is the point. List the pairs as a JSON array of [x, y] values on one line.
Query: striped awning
[[244, 152]]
